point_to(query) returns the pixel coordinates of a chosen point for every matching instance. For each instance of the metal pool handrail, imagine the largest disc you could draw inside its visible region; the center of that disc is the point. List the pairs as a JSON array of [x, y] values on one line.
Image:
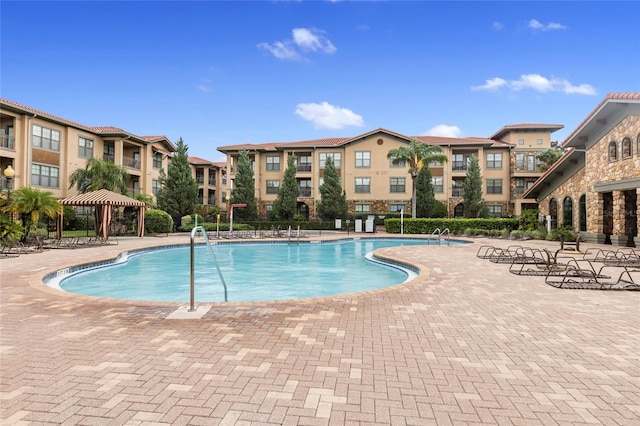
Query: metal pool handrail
[[194, 231], [440, 233]]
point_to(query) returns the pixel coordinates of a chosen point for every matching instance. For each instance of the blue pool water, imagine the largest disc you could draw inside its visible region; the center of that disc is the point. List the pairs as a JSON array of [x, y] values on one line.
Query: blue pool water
[[252, 272]]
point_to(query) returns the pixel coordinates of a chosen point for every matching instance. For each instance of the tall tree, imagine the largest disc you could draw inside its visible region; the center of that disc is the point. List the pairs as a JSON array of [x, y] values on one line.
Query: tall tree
[[547, 157], [425, 197], [286, 203], [244, 191], [178, 193], [333, 199], [474, 205], [31, 204], [415, 155], [100, 174]]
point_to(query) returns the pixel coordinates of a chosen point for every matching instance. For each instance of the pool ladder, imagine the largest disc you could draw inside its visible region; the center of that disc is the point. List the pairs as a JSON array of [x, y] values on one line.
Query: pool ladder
[[440, 233], [194, 231]]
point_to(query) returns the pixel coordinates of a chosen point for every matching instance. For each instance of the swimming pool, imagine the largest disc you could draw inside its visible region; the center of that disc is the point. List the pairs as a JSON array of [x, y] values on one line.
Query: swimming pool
[[252, 272]]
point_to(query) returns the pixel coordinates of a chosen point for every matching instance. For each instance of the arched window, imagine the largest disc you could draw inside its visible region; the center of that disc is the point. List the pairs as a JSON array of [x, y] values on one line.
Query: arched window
[[458, 211], [627, 148], [582, 212], [553, 212], [613, 151], [567, 213]]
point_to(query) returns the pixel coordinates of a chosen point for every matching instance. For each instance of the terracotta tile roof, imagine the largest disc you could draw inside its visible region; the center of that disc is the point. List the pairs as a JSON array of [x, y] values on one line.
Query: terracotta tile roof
[[524, 126], [221, 164], [199, 161], [100, 130], [630, 96]]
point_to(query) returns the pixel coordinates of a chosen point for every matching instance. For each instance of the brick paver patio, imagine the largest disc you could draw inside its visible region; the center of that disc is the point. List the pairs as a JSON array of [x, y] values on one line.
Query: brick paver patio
[[464, 343]]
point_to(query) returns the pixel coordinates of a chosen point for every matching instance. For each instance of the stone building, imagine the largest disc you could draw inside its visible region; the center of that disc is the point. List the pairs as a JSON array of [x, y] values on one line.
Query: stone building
[[595, 186]]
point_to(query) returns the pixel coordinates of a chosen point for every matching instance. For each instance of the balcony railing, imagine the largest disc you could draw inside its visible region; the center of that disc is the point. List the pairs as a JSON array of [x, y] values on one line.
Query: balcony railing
[[211, 201], [7, 142], [212, 180], [304, 167], [305, 192], [131, 163], [459, 165], [110, 158], [457, 192], [199, 179]]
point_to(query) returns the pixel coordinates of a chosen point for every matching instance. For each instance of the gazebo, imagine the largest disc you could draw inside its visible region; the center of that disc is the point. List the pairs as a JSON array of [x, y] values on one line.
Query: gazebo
[[103, 200]]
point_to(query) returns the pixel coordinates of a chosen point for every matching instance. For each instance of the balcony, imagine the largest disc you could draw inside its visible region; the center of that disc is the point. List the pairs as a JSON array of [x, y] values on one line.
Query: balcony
[[459, 165], [303, 167], [212, 180], [109, 158], [199, 179], [7, 142], [457, 192], [131, 163], [305, 192]]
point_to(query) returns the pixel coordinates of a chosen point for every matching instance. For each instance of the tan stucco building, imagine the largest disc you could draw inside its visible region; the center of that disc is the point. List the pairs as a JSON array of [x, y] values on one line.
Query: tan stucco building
[[374, 185], [594, 187]]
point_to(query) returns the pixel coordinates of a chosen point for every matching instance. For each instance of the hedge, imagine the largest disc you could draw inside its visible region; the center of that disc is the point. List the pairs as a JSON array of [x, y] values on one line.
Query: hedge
[[455, 226]]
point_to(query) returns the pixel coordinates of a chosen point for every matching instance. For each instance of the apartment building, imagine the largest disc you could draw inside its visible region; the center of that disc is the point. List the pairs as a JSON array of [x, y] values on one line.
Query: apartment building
[[374, 185], [211, 178], [594, 187], [44, 150]]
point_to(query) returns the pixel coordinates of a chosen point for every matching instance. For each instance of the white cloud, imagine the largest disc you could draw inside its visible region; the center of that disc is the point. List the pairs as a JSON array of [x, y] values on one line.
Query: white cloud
[[312, 39], [537, 83], [281, 50], [536, 25], [444, 130], [497, 26], [493, 84], [304, 40], [327, 116]]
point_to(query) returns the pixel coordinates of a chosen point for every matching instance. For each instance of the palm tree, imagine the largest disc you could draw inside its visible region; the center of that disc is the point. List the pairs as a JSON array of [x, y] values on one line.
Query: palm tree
[[31, 204], [100, 174], [415, 156]]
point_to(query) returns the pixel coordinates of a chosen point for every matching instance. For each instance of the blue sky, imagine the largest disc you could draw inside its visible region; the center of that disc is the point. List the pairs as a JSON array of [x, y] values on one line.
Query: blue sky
[[221, 73]]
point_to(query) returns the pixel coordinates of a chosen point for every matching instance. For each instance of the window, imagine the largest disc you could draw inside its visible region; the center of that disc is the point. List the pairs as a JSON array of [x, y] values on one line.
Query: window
[[531, 163], [627, 150], [304, 163], [305, 187], [520, 141], [613, 151], [363, 159], [519, 186], [85, 147], [273, 186], [457, 188], [336, 156], [157, 160], [435, 163], [519, 160], [539, 141], [155, 186], [567, 212], [46, 138], [494, 186], [438, 184], [42, 175], [458, 162], [402, 164], [553, 212], [495, 211], [397, 208], [494, 161], [268, 208], [397, 184], [273, 163], [363, 184], [363, 208], [582, 212], [109, 153]]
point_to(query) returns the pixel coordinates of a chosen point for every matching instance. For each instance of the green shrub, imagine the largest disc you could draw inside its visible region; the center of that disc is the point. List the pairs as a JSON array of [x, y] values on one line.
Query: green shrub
[[157, 222], [455, 226]]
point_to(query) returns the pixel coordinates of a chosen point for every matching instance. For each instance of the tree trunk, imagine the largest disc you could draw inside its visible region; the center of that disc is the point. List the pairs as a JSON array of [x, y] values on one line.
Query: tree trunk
[[414, 196]]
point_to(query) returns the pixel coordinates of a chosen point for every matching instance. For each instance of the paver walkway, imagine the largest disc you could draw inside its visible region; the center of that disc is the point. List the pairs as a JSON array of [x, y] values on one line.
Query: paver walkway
[[464, 343]]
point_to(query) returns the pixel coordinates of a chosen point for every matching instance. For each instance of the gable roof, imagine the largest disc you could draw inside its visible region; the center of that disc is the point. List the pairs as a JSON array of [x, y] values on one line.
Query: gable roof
[[341, 141]]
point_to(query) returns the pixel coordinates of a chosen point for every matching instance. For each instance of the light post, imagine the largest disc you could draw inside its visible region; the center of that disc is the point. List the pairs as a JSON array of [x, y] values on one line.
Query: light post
[[9, 173]]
